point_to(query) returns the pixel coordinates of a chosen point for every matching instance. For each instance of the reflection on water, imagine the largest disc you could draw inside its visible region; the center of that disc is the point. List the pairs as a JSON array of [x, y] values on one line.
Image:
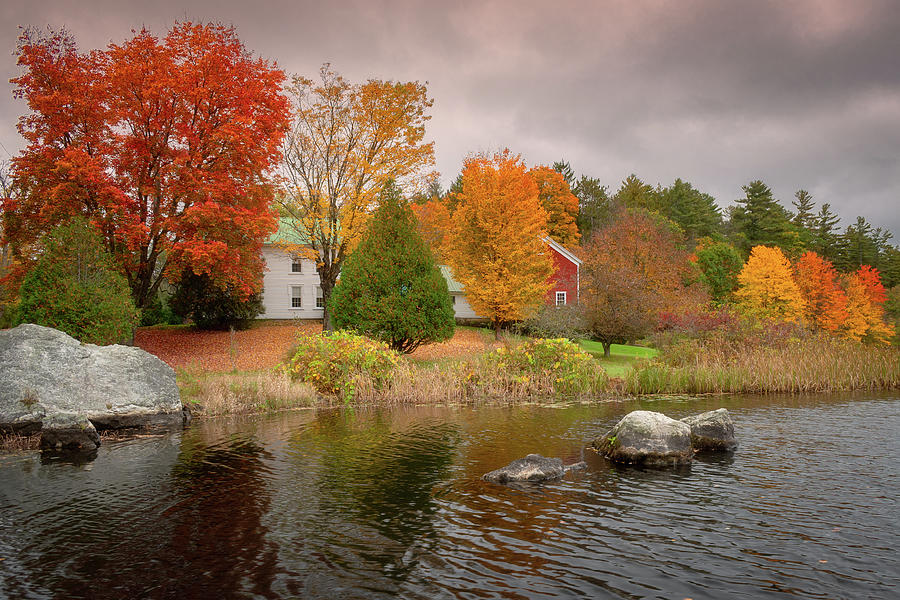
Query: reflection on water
[[388, 503]]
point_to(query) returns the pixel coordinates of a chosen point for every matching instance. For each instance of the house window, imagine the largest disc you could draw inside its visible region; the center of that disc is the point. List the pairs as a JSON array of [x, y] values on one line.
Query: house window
[[296, 296], [296, 265], [320, 299], [452, 299], [560, 298]]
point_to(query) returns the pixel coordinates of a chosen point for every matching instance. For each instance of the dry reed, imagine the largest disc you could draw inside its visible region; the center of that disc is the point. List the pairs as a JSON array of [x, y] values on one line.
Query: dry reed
[[816, 363], [214, 394]]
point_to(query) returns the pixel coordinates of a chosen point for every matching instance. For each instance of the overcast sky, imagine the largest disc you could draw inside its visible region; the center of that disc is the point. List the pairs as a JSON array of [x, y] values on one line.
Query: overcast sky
[[800, 94]]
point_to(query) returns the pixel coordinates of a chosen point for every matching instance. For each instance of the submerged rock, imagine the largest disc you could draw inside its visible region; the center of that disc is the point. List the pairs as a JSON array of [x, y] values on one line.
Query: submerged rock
[[712, 431], [532, 468], [647, 438], [68, 432], [47, 377]]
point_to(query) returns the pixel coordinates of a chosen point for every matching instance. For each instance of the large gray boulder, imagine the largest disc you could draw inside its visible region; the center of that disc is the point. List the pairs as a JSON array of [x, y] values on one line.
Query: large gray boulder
[[712, 431], [647, 438], [48, 376], [533, 468]]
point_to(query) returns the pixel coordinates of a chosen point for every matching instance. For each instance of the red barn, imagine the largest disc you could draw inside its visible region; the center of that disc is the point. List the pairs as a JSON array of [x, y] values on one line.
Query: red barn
[[566, 279]]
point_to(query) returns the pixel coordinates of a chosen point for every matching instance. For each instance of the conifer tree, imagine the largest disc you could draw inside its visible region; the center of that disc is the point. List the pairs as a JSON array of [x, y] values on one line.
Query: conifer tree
[[760, 220], [390, 288]]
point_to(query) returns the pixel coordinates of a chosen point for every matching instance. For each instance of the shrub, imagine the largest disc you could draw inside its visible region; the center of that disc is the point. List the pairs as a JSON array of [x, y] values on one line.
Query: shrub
[[556, 322], [74, 287], [555, 367], [335, 362], [197, 297], [159, 312]]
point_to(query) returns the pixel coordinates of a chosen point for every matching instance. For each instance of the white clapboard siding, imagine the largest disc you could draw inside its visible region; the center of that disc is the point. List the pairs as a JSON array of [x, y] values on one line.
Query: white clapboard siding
[[278, 281], [461, 308]]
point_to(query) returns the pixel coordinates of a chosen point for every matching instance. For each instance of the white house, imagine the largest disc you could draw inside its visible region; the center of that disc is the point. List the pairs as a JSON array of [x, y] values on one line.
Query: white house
[[290, 285]]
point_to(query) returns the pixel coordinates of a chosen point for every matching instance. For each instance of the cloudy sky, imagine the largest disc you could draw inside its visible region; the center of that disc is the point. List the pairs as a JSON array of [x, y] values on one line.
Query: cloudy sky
[[800, 94]]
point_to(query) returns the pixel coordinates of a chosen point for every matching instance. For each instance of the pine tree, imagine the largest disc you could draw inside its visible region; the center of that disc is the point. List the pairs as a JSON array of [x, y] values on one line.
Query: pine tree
[[804, 217], [826, 241], [390, 288], [761, 221], [694, 211]]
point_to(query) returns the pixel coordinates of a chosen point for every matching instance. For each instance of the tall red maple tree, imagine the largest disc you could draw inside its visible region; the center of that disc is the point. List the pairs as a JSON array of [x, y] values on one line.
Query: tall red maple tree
[[164, 144]]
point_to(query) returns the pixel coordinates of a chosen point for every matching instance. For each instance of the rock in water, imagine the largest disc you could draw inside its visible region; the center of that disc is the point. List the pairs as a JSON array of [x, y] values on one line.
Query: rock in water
[[533, 468], [46, 374], [713, 430], [69, 432], [647, 438]]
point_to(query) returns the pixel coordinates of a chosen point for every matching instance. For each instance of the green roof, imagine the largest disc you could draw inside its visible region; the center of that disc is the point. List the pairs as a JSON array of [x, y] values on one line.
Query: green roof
[[286, 233], [454, 286]]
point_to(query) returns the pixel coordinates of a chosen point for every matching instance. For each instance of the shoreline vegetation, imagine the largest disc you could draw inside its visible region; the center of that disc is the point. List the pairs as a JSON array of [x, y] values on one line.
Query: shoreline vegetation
[[762, 361]]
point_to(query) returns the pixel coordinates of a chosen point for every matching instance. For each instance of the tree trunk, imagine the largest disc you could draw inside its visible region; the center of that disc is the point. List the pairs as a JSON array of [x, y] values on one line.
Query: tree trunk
[[606, 347], [497, 331], [327, 287]]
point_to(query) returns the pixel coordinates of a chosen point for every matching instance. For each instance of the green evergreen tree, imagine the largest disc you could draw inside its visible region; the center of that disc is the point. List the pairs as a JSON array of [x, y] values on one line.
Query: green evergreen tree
[[760, 220], [804, 217], [694, 211], [826, 240], [75, 288], [390, 288], [634, 193], [594, 206], [859, 246]]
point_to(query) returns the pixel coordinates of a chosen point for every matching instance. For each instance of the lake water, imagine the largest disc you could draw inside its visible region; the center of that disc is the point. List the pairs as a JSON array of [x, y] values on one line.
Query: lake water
[[388, 503]]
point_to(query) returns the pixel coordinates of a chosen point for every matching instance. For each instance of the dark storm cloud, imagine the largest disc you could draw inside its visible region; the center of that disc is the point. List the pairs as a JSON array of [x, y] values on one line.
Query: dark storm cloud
[[799, 94]]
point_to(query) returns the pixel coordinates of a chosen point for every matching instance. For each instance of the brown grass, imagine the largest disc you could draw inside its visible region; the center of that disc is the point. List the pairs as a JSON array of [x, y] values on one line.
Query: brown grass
[[13, 442], [214, 394]]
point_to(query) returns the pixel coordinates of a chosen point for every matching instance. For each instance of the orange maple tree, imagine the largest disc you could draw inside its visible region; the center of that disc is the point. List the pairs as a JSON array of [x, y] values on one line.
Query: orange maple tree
[[559, 202], [865, 311], [767, 288], [825, 303], [164, 144], [495, 247]]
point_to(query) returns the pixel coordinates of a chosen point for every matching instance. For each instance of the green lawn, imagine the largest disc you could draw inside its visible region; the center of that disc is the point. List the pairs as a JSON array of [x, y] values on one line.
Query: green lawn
[[620, 357]]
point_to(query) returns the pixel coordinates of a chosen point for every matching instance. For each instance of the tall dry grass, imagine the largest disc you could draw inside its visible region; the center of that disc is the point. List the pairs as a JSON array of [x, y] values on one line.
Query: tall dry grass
[[214, 394], [813, 363]]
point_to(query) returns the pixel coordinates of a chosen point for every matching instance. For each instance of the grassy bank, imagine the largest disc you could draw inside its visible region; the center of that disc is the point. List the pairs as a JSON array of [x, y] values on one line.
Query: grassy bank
[[815, 363], [621, 357]]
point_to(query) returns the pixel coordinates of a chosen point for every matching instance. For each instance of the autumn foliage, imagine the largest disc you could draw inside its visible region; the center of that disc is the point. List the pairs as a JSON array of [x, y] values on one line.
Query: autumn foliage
[[346, 142], [495, 247], [767, 287], [825, 303], [163, 143], [634, 270], [560, 204], [865, 311]]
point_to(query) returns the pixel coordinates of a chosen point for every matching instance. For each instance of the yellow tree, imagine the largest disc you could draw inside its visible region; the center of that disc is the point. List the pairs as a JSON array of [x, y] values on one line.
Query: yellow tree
[[560, 203], [767, 288], [347, 140], [495, 247]]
